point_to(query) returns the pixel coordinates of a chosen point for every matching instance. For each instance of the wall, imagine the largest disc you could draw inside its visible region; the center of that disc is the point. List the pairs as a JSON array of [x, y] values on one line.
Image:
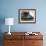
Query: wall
[[9, 8]]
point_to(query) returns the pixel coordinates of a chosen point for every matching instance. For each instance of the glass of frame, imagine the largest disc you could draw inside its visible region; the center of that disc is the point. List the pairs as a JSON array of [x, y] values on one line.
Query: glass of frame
[[27, 15]]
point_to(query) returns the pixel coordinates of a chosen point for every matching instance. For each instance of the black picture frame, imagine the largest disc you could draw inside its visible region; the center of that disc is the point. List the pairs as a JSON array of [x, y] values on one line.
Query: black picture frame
[[27, 15]]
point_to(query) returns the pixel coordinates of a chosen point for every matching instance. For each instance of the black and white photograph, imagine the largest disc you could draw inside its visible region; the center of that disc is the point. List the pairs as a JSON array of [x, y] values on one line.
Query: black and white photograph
[[27, 15]]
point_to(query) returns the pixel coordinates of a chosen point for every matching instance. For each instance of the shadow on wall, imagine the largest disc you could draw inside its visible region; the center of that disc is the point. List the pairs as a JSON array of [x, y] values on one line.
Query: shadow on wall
[[2, 21]]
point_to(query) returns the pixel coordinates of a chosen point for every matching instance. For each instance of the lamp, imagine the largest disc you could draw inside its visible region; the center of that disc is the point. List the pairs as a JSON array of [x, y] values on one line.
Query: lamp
[[9, 21]]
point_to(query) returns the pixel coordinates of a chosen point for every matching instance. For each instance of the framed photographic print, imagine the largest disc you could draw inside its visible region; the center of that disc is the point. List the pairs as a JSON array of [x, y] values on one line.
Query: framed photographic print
[[27, 15]]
